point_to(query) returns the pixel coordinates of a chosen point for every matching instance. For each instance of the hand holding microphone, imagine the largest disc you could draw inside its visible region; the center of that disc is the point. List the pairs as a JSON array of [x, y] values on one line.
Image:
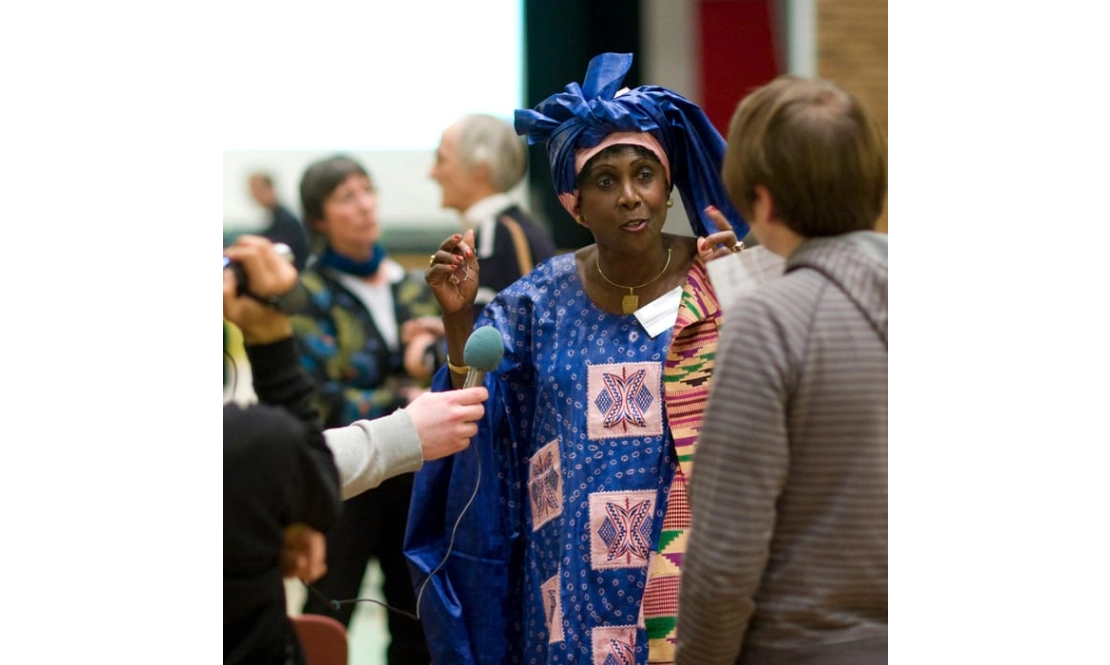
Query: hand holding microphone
[[447, 420]]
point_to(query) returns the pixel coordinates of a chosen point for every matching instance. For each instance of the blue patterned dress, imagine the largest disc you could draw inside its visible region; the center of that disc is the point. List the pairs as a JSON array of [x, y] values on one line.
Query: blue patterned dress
[[575, 459]]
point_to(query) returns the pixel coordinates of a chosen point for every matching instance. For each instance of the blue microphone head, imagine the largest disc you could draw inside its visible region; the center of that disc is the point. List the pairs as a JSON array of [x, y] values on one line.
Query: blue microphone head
[[484, 349]]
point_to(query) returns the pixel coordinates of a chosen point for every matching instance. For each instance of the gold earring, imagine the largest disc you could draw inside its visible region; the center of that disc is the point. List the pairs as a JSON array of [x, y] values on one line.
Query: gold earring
[[580, 219], [670, 203]]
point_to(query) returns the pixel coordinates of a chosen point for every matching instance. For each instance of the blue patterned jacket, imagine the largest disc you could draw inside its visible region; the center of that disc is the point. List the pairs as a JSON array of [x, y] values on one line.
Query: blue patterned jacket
[[342, 348]]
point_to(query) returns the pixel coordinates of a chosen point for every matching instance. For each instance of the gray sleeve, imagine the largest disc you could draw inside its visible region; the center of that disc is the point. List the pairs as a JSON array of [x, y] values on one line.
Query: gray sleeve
[[368, 452], [738, 472]]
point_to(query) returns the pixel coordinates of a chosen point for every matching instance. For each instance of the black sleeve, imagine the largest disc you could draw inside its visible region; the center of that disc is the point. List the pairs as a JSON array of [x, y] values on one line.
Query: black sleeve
[[277, 467], [280, 381]]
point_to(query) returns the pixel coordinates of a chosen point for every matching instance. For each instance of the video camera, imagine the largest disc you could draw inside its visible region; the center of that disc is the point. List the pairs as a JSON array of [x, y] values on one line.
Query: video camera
[[291, 302]]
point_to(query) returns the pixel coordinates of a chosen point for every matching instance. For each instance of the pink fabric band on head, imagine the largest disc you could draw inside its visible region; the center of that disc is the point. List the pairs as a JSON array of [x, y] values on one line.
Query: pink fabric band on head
[[642, 139]]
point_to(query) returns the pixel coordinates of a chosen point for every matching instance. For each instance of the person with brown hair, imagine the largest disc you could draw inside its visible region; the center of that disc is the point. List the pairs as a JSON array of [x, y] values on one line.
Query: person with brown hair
[[787, 558], [353, 341]]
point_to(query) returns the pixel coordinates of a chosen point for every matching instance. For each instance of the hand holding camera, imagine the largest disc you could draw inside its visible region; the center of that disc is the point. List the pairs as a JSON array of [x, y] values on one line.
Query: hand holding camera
[[269, 276]]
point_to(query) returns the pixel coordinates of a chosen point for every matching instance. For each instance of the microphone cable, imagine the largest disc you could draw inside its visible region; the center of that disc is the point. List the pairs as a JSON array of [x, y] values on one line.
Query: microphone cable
[[336, 604]]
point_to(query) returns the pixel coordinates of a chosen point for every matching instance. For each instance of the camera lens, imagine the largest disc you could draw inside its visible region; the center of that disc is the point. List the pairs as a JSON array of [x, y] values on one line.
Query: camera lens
[[290, 302], [241, 277]]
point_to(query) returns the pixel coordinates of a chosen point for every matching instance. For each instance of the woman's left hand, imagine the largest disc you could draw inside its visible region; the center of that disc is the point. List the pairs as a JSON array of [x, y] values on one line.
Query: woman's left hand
[[416, 354], [421, 325], [721, 243]]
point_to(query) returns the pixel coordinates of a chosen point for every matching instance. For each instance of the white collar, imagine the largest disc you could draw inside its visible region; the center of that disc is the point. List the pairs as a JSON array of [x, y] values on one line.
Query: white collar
[[395, 272], [485, 209]]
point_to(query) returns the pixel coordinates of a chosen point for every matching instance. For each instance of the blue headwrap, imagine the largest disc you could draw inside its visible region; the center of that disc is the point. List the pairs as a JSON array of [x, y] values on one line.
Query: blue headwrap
[[580, 117]]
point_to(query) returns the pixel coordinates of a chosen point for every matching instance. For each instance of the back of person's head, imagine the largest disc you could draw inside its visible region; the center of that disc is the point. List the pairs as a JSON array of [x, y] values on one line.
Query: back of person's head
[[320, 179], [815, 148], [490, 140]]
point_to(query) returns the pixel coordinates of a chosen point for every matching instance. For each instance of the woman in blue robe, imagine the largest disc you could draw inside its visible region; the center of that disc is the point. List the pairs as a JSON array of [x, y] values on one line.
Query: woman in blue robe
[[558, 538]]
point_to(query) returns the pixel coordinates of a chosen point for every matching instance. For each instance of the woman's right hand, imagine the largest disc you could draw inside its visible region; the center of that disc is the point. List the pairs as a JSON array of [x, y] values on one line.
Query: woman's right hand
[[453, 274]]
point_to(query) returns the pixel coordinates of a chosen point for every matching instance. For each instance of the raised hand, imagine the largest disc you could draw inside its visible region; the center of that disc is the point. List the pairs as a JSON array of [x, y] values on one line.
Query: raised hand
[[453, 273], [721, 243]]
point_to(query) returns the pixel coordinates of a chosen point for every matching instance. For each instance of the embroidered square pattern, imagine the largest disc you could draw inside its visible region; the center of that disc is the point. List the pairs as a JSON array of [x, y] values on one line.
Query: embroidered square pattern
[[614, 645], [545, 485], [620, 528], [625, 400], [553, 608]]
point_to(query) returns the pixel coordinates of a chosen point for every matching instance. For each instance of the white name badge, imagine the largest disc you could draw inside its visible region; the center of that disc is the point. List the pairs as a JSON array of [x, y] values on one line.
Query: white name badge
[[660, 314]]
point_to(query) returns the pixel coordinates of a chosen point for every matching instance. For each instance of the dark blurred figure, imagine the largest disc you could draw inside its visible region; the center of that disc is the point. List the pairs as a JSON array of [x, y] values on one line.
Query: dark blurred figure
[[284, 225], [281, 488]]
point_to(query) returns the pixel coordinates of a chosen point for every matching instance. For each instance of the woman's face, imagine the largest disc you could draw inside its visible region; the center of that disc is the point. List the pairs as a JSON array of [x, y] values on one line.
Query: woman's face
[[351, 217], [623, 199]]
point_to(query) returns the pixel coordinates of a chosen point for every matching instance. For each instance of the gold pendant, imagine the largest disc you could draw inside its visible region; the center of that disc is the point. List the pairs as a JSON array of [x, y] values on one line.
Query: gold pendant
[[630, 303]]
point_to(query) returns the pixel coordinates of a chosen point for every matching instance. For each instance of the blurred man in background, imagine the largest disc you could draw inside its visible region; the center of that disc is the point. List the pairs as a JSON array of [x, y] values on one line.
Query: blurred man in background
[[479, 159], [284, 225]]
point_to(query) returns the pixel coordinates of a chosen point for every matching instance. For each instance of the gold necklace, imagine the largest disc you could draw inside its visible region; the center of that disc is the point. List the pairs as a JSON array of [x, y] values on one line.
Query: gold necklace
[[631, 302]]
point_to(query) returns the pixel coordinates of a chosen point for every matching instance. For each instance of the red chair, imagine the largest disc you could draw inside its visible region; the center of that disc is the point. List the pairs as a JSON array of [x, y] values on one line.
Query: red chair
[[323, 639]]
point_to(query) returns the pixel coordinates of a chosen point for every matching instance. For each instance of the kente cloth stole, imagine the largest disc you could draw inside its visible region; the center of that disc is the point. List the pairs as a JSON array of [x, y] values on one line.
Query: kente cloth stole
[[686, 375]]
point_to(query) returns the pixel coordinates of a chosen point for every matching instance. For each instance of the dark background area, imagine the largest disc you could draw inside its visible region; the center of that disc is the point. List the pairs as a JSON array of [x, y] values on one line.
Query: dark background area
[[559, 40]]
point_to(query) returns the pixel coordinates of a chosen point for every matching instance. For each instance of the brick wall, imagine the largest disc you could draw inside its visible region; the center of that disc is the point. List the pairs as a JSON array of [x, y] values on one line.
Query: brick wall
[[852, 50]]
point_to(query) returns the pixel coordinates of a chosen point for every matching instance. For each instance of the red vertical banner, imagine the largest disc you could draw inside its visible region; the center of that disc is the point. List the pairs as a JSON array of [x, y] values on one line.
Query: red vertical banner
[[736, 40]]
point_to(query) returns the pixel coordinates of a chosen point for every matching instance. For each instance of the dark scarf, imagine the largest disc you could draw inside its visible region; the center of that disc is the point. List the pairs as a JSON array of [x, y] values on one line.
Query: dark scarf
[[331, 259]]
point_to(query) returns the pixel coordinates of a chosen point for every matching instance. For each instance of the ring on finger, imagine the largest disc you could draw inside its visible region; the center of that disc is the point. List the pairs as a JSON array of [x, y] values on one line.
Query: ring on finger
[[738, 247], [432, 261]]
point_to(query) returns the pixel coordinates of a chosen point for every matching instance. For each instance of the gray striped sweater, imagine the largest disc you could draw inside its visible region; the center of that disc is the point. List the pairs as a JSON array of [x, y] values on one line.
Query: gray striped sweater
[[787, 559]]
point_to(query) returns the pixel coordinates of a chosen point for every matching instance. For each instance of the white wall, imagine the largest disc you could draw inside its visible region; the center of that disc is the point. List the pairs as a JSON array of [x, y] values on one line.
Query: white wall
[[378, 81], [407, 195], [670, 60], [388, 108]]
